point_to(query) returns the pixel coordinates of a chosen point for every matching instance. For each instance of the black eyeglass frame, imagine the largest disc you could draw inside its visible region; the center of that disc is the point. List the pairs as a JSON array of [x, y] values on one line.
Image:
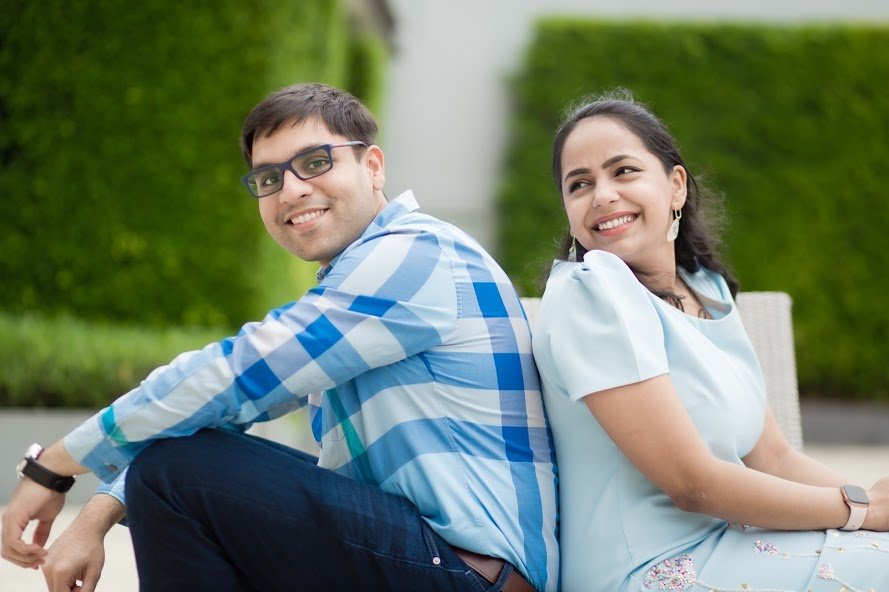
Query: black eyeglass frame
[[287, 165]]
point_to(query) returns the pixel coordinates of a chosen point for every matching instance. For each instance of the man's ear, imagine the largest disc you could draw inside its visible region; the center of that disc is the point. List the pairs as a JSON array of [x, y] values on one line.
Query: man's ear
[[376, 166], [679, 181]]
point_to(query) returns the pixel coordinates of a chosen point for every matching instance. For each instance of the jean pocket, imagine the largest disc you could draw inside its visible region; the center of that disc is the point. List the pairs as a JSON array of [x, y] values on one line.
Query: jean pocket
[[472, 579]]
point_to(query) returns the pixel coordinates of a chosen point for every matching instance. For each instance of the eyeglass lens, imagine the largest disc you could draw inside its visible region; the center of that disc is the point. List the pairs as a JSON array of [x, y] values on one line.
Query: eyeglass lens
[[306, 165]]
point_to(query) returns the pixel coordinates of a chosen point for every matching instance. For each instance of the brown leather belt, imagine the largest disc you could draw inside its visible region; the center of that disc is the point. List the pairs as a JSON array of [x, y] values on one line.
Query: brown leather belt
[[490, 568]]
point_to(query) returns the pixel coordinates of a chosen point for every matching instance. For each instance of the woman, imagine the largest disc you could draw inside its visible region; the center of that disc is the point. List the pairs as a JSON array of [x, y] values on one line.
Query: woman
[[673, 472]]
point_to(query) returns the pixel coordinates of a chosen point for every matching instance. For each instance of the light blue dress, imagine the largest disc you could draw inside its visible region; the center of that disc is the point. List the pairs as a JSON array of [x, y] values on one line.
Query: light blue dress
[[599, 328]]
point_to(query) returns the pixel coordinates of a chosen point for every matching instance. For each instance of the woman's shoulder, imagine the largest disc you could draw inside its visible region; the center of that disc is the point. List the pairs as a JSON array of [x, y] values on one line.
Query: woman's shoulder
[[600, 288], [597, 305], [599, 275]]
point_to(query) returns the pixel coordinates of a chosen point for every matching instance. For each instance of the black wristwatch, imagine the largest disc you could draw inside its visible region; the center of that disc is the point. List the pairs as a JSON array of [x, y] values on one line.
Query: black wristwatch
[[36, 472]]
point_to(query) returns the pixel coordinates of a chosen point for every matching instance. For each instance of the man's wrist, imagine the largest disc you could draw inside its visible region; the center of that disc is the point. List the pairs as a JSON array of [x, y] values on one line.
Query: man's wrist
[[103, 511], [30, 467], [57, 459]]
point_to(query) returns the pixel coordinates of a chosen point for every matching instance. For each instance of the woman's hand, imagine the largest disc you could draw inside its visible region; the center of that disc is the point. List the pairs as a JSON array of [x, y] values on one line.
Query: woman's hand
[[878, 512]]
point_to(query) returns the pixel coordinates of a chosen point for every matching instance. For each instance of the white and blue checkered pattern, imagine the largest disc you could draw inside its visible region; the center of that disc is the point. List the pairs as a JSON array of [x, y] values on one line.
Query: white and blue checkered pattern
[[414, 357]]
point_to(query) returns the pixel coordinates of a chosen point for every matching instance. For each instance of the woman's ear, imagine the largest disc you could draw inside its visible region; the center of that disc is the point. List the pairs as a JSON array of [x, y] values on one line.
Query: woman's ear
[[679, 182]]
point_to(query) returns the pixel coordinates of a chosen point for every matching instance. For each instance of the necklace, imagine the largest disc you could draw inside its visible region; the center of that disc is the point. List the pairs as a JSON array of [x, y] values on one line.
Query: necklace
[[676, 299]]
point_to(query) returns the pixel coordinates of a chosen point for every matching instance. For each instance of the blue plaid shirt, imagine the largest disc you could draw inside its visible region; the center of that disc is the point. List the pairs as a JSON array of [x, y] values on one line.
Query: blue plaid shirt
[[413, 356]]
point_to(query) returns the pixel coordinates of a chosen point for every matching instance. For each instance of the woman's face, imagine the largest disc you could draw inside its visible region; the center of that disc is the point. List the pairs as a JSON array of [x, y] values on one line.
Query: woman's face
[[617, 195]]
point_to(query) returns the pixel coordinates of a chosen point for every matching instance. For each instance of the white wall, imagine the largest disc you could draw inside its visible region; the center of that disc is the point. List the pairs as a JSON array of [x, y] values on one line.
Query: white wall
[[445, 122]]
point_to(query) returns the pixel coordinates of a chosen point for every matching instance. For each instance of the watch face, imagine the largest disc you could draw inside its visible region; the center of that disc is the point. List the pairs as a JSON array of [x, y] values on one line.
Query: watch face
[[34, 451], [855, 494]]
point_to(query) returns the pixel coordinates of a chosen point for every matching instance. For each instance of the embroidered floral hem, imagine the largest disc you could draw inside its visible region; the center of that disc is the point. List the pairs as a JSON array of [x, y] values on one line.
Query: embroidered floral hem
[[755, 560]]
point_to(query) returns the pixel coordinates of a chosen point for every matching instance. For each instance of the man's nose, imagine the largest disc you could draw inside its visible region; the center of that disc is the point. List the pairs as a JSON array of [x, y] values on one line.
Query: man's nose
[[294, 188]]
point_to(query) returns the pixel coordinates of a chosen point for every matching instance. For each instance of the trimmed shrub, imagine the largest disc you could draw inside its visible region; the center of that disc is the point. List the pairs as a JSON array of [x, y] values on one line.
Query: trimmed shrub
[[368, 59], [65, 362], [124, 228], [120, 160], [791, 124]]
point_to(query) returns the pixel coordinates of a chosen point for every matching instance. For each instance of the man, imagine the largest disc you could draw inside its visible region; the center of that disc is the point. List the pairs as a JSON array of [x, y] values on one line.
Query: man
[[413, 355]]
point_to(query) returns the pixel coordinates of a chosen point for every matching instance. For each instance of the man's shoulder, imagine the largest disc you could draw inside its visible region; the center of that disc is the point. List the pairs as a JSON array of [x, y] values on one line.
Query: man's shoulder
[[452, 241], [421, 222], [403, 216]]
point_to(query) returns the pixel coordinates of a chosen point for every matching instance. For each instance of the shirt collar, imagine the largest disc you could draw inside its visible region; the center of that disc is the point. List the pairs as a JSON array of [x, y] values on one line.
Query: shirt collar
[[401, 206]]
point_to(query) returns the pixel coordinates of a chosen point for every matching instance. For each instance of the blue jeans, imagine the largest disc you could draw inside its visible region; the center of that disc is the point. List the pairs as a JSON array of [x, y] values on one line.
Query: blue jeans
[[221, 511]]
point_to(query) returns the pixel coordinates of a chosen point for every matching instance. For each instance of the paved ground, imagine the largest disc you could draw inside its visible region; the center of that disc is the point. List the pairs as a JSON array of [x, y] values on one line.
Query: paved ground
[[862, 464]]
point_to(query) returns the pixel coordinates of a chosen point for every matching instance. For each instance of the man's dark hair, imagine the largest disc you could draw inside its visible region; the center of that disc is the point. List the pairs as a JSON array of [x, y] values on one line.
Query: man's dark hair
[[702, 214], [341, 112]]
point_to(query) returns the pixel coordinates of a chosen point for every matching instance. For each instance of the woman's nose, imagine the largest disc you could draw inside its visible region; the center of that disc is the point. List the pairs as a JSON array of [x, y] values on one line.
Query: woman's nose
[[605, 194]]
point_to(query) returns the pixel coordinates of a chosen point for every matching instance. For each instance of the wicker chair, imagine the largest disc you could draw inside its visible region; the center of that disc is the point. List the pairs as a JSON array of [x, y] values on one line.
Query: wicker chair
[[767, 318]]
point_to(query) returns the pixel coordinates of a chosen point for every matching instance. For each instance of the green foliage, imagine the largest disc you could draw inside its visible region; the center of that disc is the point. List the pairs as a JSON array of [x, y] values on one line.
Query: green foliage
[[122, 211], [368, 58], [64, 362], [791, 124], [119, 126]]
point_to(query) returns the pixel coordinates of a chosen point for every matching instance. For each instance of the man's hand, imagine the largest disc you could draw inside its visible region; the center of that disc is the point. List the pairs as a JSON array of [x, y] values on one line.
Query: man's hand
[[78, 555], [29, 502]]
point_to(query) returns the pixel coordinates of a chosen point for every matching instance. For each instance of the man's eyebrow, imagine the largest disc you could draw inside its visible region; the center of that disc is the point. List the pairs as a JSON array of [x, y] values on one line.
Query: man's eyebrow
[[605, 165], [297, 152]]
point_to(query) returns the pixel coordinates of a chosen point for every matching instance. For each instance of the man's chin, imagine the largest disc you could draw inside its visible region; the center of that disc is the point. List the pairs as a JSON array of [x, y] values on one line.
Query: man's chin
[[321, 257]]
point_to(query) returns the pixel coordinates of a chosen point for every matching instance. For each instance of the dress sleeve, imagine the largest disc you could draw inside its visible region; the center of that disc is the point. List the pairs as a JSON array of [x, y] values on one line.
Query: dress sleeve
[[597, 328]]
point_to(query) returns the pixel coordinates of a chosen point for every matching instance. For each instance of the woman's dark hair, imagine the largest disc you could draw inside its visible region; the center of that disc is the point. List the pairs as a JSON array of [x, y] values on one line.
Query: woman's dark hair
[[702, 214]]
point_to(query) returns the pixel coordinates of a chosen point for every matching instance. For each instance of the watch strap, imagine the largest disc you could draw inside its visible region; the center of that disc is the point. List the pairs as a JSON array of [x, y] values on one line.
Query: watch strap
[[857, 514], [43, 476], [857, 509]]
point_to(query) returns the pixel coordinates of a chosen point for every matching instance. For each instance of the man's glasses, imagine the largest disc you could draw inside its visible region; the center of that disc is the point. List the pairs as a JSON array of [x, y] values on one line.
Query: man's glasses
[[307, 164]]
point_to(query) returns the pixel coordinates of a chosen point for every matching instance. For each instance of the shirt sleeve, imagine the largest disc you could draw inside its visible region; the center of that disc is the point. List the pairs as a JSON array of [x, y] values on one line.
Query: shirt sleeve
[[385, 299], [597, 328], [115, 488]]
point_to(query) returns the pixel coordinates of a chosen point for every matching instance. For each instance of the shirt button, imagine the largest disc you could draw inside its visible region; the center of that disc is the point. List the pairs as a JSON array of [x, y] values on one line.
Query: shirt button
[[436, 560], [112, 468]]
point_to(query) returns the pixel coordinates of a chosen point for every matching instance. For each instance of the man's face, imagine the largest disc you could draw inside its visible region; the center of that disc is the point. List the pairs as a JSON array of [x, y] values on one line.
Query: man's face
[[318, 218]]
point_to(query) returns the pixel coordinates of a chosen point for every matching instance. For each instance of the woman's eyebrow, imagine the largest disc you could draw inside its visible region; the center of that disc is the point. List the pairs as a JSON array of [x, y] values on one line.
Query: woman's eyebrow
[[584, 170], [615, 159]]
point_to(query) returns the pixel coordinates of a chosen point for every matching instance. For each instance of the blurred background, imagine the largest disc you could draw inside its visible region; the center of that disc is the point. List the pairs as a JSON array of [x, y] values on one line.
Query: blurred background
[[126, 236]]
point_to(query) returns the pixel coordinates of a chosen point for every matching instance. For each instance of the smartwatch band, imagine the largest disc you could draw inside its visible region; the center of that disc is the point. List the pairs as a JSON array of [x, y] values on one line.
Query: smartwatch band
[[856, 498], [33, 470]]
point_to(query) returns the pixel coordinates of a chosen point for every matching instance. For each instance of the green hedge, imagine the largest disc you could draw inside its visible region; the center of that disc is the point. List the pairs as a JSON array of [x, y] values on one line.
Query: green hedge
[[791, 124], [123, 215], [120, 160], [65, 362]]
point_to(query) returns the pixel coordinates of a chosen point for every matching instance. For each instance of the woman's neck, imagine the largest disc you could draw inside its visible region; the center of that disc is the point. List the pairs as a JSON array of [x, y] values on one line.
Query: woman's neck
[[660, 281], [670, 287]]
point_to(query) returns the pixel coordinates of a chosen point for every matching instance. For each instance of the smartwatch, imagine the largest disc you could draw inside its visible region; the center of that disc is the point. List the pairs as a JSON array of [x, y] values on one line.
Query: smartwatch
[[856, 498], [33, 470]]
